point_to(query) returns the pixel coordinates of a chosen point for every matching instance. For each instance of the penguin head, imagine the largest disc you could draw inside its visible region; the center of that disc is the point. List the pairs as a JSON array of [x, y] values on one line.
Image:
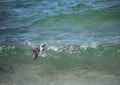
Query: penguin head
[[42, 45]]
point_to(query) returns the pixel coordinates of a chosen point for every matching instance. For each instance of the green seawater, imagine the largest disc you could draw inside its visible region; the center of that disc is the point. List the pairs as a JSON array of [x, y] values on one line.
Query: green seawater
[[82, 37], [61, 65]]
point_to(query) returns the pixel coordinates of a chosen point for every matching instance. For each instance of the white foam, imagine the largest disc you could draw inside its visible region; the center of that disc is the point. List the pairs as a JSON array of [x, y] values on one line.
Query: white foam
[[53, 48], [43, 55], [1, 49], [13, 47], [93, 45], [84, 46], [29, 43]]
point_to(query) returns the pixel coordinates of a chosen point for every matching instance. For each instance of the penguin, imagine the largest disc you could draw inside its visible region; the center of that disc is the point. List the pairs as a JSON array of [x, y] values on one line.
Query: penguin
[[38, 51]]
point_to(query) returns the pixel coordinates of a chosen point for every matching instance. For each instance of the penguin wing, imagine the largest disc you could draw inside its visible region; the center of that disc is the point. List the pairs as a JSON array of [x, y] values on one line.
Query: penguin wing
[[35, 54]]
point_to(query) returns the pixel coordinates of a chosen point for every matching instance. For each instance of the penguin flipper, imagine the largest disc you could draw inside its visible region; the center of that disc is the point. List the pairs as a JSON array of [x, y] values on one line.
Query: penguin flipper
[[35, 54]]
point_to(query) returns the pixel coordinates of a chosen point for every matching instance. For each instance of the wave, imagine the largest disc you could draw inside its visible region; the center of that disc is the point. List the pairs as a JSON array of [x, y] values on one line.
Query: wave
[[100, 57], [45, 9], [82, 40]]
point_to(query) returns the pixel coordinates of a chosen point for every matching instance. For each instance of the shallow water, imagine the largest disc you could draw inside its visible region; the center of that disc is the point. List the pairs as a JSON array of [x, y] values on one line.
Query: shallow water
[[82, 37]]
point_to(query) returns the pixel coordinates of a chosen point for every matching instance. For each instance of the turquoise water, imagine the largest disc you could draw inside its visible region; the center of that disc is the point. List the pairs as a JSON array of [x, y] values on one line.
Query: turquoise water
[[82, 37]]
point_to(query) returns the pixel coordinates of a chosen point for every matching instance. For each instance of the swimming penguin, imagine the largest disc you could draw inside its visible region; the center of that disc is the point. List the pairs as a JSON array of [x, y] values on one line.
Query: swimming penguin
[[38, 50]]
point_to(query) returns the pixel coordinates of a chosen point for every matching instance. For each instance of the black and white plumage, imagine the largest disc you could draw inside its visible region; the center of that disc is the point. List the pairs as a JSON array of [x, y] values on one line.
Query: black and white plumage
[[38, 50]]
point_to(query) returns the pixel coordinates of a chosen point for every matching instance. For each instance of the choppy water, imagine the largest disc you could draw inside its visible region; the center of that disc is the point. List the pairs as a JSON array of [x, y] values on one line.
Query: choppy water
[[82, 37]]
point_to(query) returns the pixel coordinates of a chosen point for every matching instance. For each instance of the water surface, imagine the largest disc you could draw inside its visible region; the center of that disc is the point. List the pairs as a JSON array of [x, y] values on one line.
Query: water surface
[[82, 37]]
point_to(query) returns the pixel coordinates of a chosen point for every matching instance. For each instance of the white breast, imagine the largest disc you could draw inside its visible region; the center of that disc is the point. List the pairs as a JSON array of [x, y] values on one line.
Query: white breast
[[41, 48]]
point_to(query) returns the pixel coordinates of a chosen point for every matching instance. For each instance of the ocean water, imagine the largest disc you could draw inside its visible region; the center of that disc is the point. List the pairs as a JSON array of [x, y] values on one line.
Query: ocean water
[[82, 37]]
